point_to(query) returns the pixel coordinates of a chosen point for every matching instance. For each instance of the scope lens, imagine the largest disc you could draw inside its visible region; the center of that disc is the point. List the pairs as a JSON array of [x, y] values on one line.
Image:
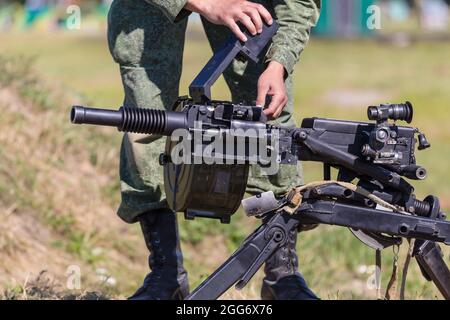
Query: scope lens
[[372, 113], [403, 111]]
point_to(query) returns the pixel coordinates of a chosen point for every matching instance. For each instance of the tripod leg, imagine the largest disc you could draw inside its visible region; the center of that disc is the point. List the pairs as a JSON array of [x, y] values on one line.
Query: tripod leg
[[429, 256], [246, 260]]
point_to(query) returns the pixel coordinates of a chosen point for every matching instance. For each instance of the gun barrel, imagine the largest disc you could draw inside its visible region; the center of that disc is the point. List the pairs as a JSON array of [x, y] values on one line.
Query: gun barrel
[[414, 172], [103, 117], [137, 120]]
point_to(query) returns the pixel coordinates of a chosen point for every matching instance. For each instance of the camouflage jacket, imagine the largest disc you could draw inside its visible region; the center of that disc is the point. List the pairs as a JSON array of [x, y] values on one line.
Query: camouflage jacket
[[295, 17]]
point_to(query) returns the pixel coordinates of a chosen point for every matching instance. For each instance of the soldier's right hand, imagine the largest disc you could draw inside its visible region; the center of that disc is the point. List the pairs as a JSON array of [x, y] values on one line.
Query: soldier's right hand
[[230, 12]]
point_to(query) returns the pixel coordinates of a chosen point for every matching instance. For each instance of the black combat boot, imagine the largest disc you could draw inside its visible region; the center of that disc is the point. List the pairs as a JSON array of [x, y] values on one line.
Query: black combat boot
[[282, 280], [168, 279]]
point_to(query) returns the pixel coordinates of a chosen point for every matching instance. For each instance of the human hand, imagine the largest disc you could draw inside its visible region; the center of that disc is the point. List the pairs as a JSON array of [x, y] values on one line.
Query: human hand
[[229, 12], [271, 83]]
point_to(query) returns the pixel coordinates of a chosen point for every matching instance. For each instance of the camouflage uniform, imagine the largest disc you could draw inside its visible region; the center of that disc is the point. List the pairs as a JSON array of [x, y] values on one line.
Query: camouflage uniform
[[146, 38]]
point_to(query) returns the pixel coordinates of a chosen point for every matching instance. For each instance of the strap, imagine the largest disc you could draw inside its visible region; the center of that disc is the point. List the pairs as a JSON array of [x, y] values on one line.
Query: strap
[[295, 196], [406, 267], [391, 290], [378, 273]]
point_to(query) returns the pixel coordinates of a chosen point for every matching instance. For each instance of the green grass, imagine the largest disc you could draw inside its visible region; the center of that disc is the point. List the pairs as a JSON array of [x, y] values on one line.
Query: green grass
[[334, 79]]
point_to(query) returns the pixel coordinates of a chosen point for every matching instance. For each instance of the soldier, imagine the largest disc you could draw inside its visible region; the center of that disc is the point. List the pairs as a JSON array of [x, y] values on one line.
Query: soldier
[[146, 38]]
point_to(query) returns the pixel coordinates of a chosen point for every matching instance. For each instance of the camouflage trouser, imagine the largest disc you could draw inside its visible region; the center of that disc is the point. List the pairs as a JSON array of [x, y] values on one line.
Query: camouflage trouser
[[149, 49]]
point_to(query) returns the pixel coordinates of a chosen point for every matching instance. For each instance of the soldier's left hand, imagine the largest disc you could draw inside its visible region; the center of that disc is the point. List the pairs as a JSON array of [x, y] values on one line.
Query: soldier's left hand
[[271, 83]]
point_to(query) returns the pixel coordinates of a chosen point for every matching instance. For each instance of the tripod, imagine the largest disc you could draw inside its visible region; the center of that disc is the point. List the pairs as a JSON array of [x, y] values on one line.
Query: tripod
[[272, 234]]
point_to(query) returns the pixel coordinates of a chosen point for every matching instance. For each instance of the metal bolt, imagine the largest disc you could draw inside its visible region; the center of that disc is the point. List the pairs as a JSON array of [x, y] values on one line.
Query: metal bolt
[[382, 134], [302, 135], [202, 110]]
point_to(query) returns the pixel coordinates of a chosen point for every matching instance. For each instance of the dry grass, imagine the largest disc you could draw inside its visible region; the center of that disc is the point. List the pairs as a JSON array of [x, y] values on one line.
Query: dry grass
[[47, 207], [45, 287]]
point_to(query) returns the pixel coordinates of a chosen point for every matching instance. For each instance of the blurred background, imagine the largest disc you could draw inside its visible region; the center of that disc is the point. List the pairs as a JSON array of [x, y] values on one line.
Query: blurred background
[[59, 189]]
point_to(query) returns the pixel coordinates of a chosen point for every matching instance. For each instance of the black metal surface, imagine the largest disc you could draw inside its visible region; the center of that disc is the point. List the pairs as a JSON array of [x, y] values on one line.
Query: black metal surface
[[429, 257], [247, 259], [209, 191], [200, 88], [81, 115], [355, 163], [380, 221], [149, 121]]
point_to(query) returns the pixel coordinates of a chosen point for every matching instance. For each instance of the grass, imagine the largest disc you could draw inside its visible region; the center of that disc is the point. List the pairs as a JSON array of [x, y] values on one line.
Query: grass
[[334, 79]]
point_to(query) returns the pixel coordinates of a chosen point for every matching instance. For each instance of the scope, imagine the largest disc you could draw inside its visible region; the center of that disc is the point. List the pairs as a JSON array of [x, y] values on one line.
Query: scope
[[381, 113]]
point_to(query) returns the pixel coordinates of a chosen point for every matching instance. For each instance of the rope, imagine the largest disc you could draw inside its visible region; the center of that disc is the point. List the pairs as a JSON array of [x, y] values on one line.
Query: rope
[[406, 267], [378, 272], [295, 195], [391, 290]]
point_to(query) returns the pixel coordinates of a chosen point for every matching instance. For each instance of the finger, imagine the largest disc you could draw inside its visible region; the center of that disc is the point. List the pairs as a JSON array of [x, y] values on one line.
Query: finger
[[248, 23], [256, 18], [264, 13], [276, 102], [281, 108], [232, 25], [263, 88]]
